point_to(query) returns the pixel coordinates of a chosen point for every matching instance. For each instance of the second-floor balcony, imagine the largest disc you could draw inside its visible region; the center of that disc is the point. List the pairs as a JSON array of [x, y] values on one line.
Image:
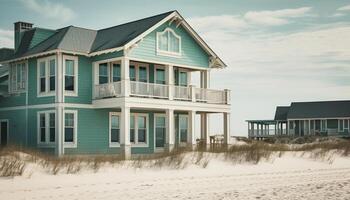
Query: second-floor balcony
[[161, 91]]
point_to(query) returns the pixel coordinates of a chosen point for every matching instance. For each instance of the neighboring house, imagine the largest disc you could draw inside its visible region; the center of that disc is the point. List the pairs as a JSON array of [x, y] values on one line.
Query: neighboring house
[[120, 90], [323, 118]]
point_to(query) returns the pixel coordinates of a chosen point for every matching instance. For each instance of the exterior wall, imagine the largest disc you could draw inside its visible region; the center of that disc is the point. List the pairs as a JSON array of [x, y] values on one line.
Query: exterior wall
[[192, 53], [17, 126]]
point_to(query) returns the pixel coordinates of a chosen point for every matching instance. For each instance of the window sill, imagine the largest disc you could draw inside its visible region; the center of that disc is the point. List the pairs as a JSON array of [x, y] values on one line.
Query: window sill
[[70, 145], [170, 54], [46, 94], [139, 145], [114, 145], [70, 94]]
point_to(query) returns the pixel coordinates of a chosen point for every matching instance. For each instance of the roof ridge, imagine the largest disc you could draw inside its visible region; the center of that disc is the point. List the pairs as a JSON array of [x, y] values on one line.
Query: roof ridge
[[321, 101], [137, 20]]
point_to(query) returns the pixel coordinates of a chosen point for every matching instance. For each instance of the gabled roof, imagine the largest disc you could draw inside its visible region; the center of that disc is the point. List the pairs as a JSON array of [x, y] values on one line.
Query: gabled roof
[[281, 113], [321, 109], [94, 42]]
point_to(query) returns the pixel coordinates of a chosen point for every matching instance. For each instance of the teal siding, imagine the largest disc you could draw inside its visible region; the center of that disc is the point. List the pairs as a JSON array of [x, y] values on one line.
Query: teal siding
[[33, 98], [84, 82], [332, 123], [13, 100], [93, 133], [107, 56], [192, 53], [40, 35]]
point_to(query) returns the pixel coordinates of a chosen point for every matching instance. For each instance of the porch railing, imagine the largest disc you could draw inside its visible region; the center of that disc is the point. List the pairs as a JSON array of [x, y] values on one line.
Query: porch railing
[[107, 90], [148, 89], [153, 90]]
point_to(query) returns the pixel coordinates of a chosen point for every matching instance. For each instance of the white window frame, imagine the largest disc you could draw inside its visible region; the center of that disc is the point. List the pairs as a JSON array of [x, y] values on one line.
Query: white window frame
[[13, 83], [47, 77], [113, 144], [155, 128], [136, 143], [47, 142], [76, 75], [75, 131], [137, 66], [168, 53]]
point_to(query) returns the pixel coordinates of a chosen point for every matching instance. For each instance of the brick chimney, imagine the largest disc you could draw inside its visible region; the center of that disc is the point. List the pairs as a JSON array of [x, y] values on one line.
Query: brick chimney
[[20, 27]]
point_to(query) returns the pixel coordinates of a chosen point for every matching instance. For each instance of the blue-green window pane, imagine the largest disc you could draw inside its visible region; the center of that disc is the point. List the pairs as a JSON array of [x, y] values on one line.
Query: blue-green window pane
[[173, 43], [115, 135], [68, 134], [42, 69], [132, 128], [183, 135], [103, 73], [52, 67], [183, 122], [115, 121], [70, 67], [160, 121], [132, 73], [141, 122], [160, 75], [116, 72], [69, 119], [142, 135], [163, 41], [142, 74], [183, 79]]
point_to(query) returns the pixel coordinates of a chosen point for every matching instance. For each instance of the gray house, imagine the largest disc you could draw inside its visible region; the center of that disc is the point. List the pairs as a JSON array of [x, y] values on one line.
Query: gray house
[[323, 118]]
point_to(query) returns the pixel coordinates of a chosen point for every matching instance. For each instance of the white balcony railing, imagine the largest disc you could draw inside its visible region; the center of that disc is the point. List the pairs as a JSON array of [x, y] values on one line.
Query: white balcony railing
[[107, 90], [152, 90], [148, 89], [182, 93]]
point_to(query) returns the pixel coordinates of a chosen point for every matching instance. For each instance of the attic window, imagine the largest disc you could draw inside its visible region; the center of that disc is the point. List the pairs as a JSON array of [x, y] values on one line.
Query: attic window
[[168, 43]]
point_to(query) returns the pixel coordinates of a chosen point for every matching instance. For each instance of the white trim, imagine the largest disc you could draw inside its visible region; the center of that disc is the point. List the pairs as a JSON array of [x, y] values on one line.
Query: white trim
[[155, 128], [105, 51], [168, 52], [8, 130], [137, 66], [113, 144], [341, 121], [47, 143], [75, 131], [136, 128], [47, 92], [76, 75], [13, 88]]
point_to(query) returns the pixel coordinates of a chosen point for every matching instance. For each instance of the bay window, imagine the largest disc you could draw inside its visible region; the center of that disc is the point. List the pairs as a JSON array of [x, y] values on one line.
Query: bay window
[[18, 77], [46, 76], [139, 129], [70, 128], [46, 127], [168, 43], [114, 129], [70, 75]]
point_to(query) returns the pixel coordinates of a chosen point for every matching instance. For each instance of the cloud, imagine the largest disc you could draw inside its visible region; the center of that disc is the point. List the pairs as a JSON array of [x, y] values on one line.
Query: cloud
[[338, 15], [49, 9], [344, 8], [6, 38], [276, 17], [219, 22]]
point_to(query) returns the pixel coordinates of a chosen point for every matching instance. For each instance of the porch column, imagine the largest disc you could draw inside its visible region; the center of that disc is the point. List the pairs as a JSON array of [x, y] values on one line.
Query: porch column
[[205, 128], [59, 108], [170, 80], [170, 130], [227, 136], [205, 79], [124, 133], [125, 79], [191, 136]]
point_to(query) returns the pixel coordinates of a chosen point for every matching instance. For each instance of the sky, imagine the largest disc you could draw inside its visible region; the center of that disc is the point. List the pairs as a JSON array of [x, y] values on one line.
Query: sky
[[277, 51]]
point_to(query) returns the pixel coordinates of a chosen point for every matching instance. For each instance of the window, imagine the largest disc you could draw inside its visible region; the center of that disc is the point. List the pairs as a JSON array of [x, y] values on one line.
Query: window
[[70, 75], [323, 125], [18, 77], [116, 72], [70, 128], [46, 127], [168, 43], [103, 73], [139, 129], [114, 131], [182, 78], [143, 74], [46, 76], [160, 130], [183, 127], [160, 75], [132, 73]]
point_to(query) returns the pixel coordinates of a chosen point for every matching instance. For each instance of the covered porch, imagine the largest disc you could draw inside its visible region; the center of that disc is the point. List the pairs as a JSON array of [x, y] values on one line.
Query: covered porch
[[266, 128]]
